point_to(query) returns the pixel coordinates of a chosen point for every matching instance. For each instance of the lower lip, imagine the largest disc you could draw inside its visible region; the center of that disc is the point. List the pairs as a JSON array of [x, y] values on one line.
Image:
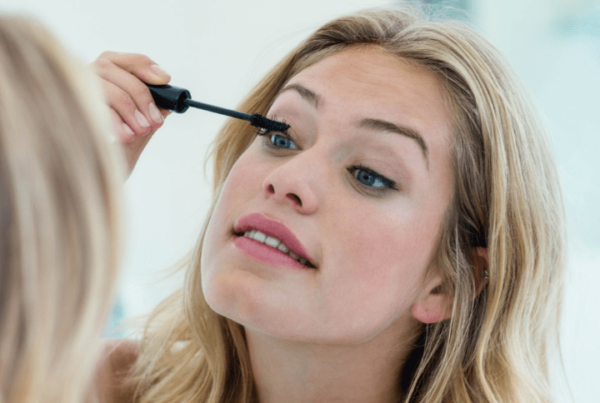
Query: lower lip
[[267, 254]]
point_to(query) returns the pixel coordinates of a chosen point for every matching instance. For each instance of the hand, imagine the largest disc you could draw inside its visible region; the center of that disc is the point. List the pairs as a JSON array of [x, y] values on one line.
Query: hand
[[135, 116]]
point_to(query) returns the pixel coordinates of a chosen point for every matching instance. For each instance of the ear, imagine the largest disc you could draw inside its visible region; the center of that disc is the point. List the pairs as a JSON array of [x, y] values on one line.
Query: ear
[[435, 305]]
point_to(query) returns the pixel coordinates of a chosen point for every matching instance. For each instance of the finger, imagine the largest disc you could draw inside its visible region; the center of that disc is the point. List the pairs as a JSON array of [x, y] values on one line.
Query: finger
[[139, 65], [127, 109], [123, 132], [137, 90]]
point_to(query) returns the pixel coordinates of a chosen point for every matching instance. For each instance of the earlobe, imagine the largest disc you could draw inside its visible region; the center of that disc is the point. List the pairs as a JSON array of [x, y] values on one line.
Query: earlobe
[[434, 308], [435, 304]]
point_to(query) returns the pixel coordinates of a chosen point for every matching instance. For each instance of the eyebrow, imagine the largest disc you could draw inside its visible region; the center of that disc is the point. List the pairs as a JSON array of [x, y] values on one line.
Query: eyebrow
[[368, 123], [382, 125], [304, 92]]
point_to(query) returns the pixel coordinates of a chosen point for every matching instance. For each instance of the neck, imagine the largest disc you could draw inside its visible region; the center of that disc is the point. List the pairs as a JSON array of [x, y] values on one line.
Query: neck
[[368, 372]]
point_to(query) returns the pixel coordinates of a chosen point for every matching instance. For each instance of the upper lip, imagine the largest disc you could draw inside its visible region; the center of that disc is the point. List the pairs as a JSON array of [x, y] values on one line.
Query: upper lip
[[269, 227]]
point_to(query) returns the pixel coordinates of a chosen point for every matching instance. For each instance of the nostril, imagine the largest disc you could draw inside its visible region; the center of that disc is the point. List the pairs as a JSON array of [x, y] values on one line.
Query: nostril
[[295, 198], [271, 189]]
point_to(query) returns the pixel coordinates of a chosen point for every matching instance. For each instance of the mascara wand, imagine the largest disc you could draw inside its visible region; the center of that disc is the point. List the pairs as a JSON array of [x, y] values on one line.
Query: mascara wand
[[179, 100]]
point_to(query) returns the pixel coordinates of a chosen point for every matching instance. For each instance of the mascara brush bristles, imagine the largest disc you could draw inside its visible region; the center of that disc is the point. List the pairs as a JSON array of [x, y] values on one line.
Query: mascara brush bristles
[[268, 124]]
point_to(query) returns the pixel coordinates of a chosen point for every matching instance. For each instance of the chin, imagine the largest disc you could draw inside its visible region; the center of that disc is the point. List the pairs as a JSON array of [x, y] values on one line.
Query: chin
[[260, 317], [236, 294]]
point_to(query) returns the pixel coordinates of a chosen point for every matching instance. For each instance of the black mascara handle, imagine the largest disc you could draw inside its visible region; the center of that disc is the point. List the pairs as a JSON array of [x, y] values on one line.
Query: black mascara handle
[[170, 97]]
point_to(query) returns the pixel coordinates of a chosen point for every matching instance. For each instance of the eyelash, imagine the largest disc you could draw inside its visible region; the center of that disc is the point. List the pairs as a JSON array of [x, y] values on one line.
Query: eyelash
[[389, 184]]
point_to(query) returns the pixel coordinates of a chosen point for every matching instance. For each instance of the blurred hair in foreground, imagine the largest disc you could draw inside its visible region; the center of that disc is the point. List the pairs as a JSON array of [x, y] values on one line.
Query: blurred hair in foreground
[[59, 214]]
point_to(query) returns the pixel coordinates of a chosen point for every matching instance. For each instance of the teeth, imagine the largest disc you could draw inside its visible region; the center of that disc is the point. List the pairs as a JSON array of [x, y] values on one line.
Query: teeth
[[274, 243]]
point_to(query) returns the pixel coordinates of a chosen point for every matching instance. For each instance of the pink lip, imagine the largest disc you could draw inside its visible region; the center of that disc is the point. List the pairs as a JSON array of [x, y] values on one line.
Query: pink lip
[[274, 229], [266, 253]]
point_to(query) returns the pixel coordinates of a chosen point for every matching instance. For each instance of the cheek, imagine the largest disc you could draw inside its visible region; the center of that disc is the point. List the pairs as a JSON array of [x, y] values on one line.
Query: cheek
[[241, 186], [377, 263], [400, 236]]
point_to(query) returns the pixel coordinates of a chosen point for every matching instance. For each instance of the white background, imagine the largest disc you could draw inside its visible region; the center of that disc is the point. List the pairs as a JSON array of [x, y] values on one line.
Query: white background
[[219, 49]]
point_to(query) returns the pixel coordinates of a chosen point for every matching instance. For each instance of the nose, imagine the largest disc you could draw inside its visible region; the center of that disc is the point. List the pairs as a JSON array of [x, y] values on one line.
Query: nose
[[291, 184]]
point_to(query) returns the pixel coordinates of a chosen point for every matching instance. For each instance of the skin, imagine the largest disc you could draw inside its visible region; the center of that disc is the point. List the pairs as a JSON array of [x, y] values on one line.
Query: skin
[[118, 359], [340, 331], [133, 112]]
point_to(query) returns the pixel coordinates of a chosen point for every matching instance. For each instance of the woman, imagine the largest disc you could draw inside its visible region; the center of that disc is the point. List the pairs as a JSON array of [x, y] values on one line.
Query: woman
[[59, 212], [402, 241]]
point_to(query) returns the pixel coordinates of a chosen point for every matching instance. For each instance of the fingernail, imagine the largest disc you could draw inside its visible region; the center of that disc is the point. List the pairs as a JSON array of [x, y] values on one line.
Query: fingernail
[[155, 113], [158, 71], [141, 119], [127, 129]]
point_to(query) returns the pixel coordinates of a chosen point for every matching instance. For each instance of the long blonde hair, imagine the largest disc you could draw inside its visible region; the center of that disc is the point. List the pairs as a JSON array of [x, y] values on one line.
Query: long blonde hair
[[506, 197], [59, 213]]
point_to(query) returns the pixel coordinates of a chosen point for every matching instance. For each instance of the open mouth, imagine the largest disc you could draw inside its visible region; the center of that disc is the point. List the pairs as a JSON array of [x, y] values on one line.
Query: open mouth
[[274, 243]]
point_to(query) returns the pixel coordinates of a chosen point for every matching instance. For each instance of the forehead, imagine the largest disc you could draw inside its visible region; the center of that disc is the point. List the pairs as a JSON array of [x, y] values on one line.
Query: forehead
[[365, 74], [367, 82]]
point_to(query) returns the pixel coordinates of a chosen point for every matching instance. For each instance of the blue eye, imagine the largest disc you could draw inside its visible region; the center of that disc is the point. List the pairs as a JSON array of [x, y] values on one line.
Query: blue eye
[[370, 178], [283, 142]]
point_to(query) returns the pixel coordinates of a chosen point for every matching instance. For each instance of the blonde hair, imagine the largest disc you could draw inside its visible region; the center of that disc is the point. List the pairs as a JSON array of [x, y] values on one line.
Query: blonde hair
[[506, 197], [59, 209]]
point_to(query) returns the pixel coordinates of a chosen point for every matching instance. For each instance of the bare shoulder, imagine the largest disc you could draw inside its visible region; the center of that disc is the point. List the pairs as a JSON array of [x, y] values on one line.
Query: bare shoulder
[[118, 357], [121, 353]]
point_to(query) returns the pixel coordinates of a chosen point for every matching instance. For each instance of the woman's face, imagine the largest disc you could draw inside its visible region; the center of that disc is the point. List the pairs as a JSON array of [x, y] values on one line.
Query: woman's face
[[361, 181]]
